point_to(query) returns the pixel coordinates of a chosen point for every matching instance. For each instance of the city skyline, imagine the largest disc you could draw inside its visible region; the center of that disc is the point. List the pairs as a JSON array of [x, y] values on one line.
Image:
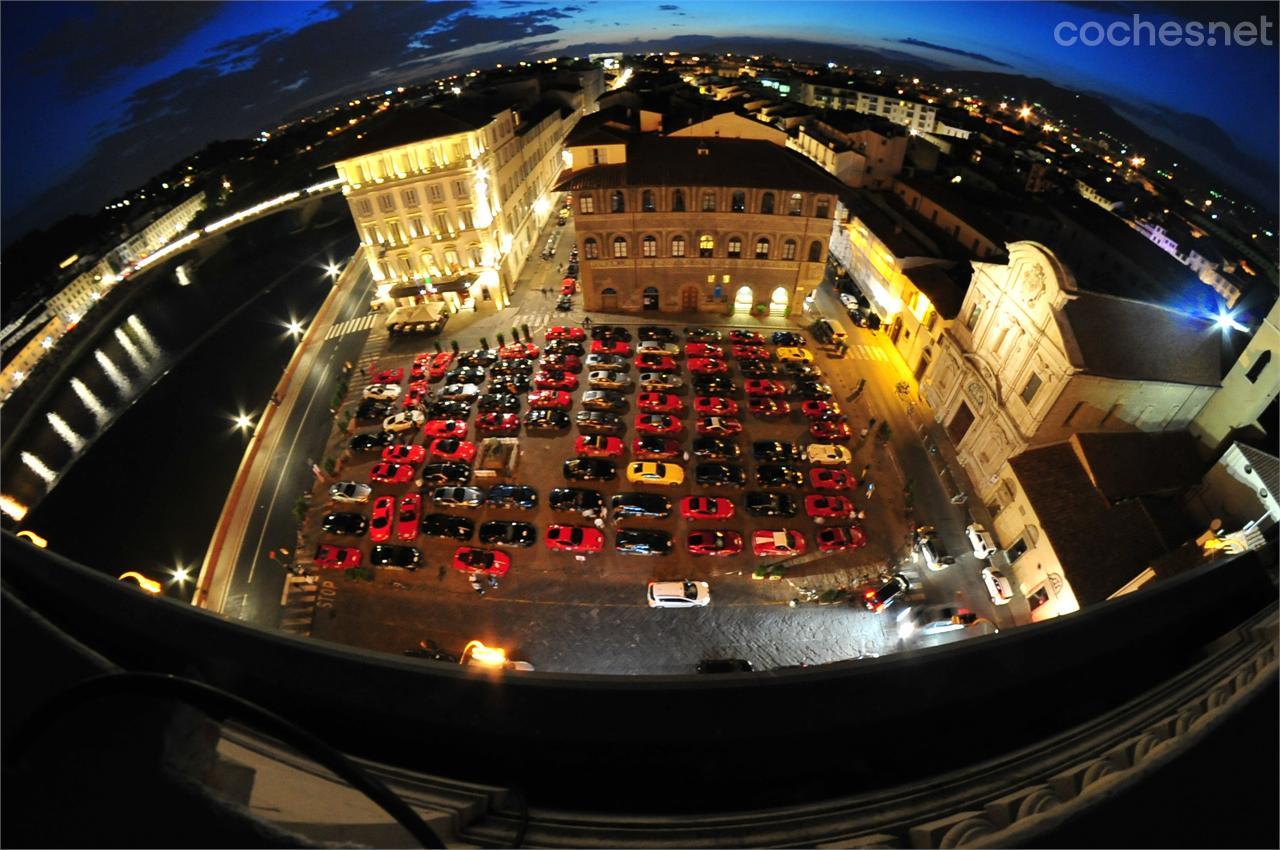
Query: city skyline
[[99, 103]]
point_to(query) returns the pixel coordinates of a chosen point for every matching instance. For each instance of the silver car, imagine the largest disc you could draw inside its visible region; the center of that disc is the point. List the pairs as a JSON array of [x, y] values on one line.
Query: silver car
[[404, 421], [660, 381], [679, 594], [609, 381], [350, 491], [387, 392], [458, 497], [667, 348]]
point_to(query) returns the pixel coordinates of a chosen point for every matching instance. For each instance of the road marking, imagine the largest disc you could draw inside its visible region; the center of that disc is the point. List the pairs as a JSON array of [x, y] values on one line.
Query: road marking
[[359, 323]]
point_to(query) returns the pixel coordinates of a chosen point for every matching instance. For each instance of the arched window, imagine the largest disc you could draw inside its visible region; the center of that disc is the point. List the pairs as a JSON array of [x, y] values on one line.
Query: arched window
[[590, 248], [706, 245], [739, 203], [815, 252], [789, 249], [735, 247], [617, 202], [766, 203], [451, 264], [475, 255], [620, 247], [762, 249], [646, 201], [708, 201], [677, 200], [649, 247], [795, 204], [677, 246]]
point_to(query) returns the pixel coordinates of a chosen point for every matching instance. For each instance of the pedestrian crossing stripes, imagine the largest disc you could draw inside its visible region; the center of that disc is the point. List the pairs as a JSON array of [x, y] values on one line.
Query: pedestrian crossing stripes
[[868, 352], [298, 604], [359, 323]]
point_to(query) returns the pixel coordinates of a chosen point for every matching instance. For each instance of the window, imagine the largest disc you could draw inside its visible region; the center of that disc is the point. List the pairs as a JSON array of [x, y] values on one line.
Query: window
[[1038, 598], [586, 204], [464, 216], [442, 225], [474, 255], [1017, 550], [735, 247], [416, 228], [590, 249], [766, 203], [1032, 387], [1259, 365], [824, 208], [930, 319], [646, 201], [435, 192], [397, 232], [706, 245], [386, 203], [708, 201], [649, 247], [617, 201], [677, 246], [789, 249], [410, 197], [677, 200], [620, 247], [815, 252], [595, 156], [363, 207], [460, 189], [451, 261], [739, 203], [762, 249], [795, 204], [975, 313]]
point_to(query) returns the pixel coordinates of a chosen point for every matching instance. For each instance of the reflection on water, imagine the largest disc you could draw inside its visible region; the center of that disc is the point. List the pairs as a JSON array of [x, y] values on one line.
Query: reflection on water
[[135, 356], [96, 407], [63, 430], [37, 466], [113, 372]]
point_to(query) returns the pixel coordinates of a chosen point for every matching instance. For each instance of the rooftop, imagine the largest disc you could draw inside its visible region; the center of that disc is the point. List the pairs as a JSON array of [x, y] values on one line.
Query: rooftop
[[408, 126], [677, 161], [944, 284]]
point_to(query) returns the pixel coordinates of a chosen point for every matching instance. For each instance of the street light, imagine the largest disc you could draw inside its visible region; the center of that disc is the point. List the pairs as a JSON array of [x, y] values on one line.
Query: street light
[[333, 270], [1226, 320], [295, 327], [181, 575], [242, 421]]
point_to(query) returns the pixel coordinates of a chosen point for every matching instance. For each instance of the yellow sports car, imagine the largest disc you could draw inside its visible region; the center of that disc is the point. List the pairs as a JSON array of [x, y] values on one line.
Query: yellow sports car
[[794, 355], [648, 472]]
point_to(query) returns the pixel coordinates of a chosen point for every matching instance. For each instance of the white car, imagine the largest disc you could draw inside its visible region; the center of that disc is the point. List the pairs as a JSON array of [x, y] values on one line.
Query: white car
[[999, 588], [659, 381], [404, 421], [389, 392], [350, 491], [657, 347], [848, 300], [827, 454], [980, 539], [679, 594]]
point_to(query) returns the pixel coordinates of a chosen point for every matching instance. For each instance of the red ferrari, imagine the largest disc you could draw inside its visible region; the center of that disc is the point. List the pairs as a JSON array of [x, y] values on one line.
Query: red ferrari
[[750, 352], [387, 376], [658, 423], [519, 351], [453, 449], [830, 479], [762, 386], [574, 538], [384, 509], [597, 445], [610, 346], [561, 363], [762, 406], [714, 405], [706, 507], [407, 519], [746, 338], [421, 363], [404, 454], [828, 507], [555, 381], [646, 362], [714, 543], [550, 399], [565, 332], [417, 393], [468, 559], [568, 286], [826, 429], [440, 364], [660, 403], [707, 366], [329, 557], [497, 423], [391, 473], [719, 426], [445, 428], [820, 409], [655, 448], [836, 539], [778, 543], [703, 349]]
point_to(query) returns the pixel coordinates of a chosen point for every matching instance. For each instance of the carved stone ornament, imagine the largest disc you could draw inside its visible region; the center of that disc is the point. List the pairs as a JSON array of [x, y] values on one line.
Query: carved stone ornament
[[1033, 285], [977, 392]]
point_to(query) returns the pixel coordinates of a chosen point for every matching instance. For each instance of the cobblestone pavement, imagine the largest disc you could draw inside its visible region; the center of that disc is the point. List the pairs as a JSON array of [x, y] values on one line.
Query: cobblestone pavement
[[590, 615]]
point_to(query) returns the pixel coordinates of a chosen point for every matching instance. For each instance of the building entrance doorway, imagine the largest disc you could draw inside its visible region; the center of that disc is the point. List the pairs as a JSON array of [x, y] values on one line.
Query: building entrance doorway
[[651, 298], [609, 299], [924, 363], [960, 424], [895, 329], [689, 298], [744, 300], [779, 301]]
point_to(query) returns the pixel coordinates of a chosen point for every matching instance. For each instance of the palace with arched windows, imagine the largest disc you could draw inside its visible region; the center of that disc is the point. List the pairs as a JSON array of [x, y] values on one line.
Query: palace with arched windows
[[702, 224]]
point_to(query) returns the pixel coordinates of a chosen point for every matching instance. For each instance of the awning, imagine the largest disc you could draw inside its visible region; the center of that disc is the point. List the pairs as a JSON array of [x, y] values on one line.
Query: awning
[[419, 313], [458, 285]]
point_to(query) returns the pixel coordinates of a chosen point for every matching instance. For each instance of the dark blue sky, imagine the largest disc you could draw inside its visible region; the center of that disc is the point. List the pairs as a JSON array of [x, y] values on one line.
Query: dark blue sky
[[97, 97]]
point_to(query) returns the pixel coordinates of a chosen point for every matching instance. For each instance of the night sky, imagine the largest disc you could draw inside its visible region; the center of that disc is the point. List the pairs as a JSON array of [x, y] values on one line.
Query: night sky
[[99, 97]]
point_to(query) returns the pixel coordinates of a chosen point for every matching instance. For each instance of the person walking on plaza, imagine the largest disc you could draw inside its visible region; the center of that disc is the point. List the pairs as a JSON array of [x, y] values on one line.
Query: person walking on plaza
[[871, 488], [862, 476]]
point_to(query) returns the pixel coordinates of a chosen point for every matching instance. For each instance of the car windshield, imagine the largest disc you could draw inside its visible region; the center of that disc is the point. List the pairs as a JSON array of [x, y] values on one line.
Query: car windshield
[[690, 590]]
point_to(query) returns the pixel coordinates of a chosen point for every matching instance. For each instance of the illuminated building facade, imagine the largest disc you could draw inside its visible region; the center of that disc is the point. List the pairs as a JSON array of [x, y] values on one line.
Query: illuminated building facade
[[454, 199]]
